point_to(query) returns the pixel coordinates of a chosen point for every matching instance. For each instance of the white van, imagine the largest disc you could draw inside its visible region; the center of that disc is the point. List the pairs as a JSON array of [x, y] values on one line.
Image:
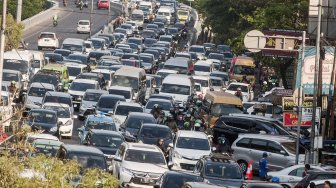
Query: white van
[[74, 45], [166, 11], [39, 61], [178, 86], [203, 68], [139, 18], [147, 4]]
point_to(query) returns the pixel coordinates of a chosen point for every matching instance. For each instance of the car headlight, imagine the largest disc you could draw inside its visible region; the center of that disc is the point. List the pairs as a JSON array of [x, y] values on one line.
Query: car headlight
[[177, 155], [79, 98], [53, 129], [127, 171]]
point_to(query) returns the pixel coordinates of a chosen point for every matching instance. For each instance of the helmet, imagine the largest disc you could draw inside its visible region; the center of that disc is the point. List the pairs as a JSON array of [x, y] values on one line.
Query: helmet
[[188, 115], [13, 82], [197, 125], [275, 179], [265, 82], [265, 154], [238, 89], [156, 106], [199, 103], [170, 116], [186, 124]]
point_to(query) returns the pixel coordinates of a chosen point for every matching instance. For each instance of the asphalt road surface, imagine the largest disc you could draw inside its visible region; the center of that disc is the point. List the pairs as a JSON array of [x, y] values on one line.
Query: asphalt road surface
[[67, 23]]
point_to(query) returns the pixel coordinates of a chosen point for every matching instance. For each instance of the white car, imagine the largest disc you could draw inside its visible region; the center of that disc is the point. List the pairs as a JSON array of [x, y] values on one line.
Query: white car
[[64, 115], [205, 83], [138, 165], [188, 148], [88, 46], [83, 26], [203, 68], [291, 175], [246, 90], [127, 92], [47, 40]]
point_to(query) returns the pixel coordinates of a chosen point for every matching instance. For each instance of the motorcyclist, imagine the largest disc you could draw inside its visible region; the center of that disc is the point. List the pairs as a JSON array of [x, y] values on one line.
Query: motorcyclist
[[264, 87], [184, 33], [244, 80], [171, 123], [223, 145], [80, 4], [156, 111], [239, 93], [161, 119], [161, 145], [55, 18]]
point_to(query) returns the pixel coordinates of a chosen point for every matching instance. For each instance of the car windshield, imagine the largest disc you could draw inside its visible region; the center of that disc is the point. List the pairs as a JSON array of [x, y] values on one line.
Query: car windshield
[[135, 41], [175, 89], [58, 99], [182, 55], [243, 70], [18, 65], [180, 69], [216, 56], [204, 83], [225, 109], [124, 110], [87, 160], [193, 143], [77, 86], [45, 149], [108, 102], [177, 180], [101, 124], [234, 87], [201, 68], [225, 171], [101, 140], [94, 97], [83, 23], [45, 78], [137, 17], [125, 93], [82, 59], [38, 91], [167, 39], [147, 59], [62, 112], [223, 48], [216, 82], [74, 71], [223, 76], [131, 56], [72, 47], [165, 105], [36, 64], [151, 132], [137, 122], [43, 117], [149, 41], [126, 82], [97, 43], [228, 55], [197, 49], [141, 156], [183, 13], [291, 147], [7, 76]]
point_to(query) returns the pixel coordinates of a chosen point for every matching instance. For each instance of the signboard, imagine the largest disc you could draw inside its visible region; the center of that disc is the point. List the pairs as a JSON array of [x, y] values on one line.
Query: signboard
[[288, 103], [307, 113], [290, 119]]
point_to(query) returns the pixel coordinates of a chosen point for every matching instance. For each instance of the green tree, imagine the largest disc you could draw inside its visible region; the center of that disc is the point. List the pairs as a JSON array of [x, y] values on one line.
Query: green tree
[[14, 32], [29, 7]]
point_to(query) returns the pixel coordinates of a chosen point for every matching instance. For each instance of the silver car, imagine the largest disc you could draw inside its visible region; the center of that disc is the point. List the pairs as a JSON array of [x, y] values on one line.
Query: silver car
[[90, 99], [280, 149]]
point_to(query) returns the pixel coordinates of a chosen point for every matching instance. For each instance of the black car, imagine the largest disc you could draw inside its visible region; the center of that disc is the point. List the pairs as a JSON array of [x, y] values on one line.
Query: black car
[[48, 78], [63, 52], [231, 126], [175, 179], [133, 123], [107, 102], [53, 57], [259, 184], [106, 141], [93, 76], [150, 134], [315, 175], [219, 169], [44, 120]]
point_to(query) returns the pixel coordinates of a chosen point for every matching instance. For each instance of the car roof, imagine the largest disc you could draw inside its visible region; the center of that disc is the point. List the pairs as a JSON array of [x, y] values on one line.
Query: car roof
[[121, 88], [123, 103], [82, 148], [143, 114], [155, 125], [191, 134], [112, 96], [105, 132], [99, 117], [159, 100], [56, 104], [204, 63], [102, 71], [238, 83], [47, 142], [79, 80], [200, 77], [177, 79], [42, 85], [96, 91], [168, 71], [57, 94], [77, 65], [11, 71], [143, 147], [278, 138], [42, 136], [253, 117], [43, 110]]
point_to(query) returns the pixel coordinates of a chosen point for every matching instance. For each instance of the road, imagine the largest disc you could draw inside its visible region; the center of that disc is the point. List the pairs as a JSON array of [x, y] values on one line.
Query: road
[[68, 18]]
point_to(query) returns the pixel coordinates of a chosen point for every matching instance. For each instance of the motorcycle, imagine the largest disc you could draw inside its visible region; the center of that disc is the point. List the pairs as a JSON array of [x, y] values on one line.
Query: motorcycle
[[184, 35], [86, 4], [55, 23]]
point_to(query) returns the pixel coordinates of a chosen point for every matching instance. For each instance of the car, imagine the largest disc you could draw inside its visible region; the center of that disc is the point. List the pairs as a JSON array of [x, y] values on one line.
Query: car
[[133, 123], [151, 133], [59, 97], [161, 96], [86, 156], [313, 176], [176, 179], [246, 90], [260, 184], [47, 40], [148, 42], [321, 183], [78, 87], [90, 99], [43, 120], [138, 165], [188, 148], [217, 83], [106, 141], [281, 151], [164, 104], [45, 147], [205, 83], [75, 69], [107, 74], [95, 121], [148, 62], [128, 28], [199, 50], [83, 26], [31, 137], [165, 72], [63, 52], [203, 68], [107, 102], [289, 176], [98, 43], [64, 115], [122, 109], [35, 95], [127, 92], [219, 169], [223, 75], [99, 77], [47, 78], [103, 4]]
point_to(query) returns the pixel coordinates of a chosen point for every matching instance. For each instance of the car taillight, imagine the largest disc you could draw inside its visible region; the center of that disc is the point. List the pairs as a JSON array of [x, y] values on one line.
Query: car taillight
[[298, 186]]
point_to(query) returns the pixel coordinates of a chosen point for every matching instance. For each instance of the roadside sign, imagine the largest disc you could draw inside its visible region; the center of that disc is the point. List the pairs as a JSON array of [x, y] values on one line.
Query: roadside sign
[[307, 113], [283, 92], [290, 119], [288, 103]]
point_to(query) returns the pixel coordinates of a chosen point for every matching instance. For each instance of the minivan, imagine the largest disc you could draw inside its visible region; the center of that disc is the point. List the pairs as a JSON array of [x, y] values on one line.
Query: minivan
[[178, 86], [74, 45]]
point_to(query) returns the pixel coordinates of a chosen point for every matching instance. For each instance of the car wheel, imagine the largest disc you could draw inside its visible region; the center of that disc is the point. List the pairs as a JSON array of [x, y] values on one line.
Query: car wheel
[[243, 165], [285, 186], [39, 48]]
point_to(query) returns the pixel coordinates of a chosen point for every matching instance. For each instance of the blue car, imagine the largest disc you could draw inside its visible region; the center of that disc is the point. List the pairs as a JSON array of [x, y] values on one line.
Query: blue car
[[99, 121], [45, 120]]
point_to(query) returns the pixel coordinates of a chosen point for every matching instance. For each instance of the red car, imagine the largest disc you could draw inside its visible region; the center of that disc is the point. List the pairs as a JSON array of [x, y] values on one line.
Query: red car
[[103, 4]]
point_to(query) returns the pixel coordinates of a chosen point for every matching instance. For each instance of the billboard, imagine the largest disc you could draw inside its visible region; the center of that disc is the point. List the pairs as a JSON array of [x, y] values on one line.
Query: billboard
[[328, 24]]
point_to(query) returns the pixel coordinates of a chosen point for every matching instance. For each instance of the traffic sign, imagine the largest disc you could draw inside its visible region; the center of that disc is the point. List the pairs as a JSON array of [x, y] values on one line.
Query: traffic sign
[[307, 113], [254, 41]]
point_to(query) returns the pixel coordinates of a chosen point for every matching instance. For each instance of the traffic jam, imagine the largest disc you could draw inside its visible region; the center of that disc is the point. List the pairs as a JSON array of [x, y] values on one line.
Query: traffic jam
[[154, 107]]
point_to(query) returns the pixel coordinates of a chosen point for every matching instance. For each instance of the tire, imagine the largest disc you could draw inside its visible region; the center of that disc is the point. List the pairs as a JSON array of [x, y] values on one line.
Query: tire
[[243, 165], [39, 48], [285, 186]]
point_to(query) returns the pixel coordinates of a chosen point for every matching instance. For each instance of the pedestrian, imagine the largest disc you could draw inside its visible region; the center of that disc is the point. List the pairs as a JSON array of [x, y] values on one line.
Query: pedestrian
[[263, 167], [327, 184], [306, 169]]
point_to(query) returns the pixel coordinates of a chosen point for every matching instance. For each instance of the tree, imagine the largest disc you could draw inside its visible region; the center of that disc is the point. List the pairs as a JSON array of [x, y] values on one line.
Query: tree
[[14, 32], [29, 8]]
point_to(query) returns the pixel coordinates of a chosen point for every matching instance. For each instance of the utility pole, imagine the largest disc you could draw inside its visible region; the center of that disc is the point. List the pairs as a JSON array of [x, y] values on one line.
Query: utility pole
[[2, 38], [313, 152], [330, 108], [18, 11], [91, 11]]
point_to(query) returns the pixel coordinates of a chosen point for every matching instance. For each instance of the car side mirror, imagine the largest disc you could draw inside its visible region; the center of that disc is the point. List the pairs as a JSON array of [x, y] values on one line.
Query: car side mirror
[[85, 143], [171, 145], [245, 178], [81, 117], [80, 130], [156, 90], [170, 165], [283, 152], [118, 159]]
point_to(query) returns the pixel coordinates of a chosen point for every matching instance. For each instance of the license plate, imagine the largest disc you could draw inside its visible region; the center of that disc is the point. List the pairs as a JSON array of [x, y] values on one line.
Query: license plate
[[47, 40]]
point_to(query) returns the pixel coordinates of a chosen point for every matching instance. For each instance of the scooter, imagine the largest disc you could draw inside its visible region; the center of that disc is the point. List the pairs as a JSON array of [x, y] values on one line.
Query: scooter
[[55, 23], [86, 4]]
